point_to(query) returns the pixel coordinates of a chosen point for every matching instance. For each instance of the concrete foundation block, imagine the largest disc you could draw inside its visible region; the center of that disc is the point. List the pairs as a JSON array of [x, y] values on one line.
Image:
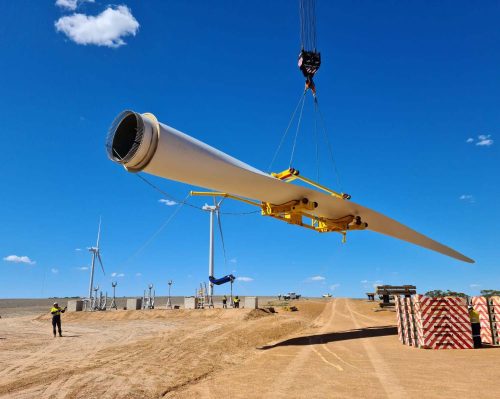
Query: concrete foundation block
[[75, 306], [134, 303], [190, 302], [251, 302]]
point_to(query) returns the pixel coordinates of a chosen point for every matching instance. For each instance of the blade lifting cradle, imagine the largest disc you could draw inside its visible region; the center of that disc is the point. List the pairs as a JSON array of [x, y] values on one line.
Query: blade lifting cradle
[[140, 143]]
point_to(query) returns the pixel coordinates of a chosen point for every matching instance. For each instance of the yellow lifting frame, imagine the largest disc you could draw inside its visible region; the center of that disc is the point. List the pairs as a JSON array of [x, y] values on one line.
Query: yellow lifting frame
[[294, 211], [289, 175]]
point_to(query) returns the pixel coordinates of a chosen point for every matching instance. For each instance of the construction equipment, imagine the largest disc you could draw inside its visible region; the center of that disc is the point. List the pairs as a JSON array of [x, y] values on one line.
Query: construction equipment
[[201, 297], [148, 300], [169, 302], [113, 302], [387, 293], [290, 296]]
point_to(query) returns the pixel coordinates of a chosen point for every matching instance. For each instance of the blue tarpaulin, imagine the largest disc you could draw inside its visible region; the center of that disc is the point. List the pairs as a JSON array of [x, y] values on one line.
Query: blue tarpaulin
[[222, 280]]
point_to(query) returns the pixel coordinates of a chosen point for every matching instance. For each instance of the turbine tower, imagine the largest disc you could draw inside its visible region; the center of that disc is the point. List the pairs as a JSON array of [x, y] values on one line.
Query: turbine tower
[[95, 254], [213, 209]]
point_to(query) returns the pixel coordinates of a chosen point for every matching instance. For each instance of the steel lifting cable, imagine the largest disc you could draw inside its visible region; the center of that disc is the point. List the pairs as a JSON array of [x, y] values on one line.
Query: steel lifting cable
[[308, 24], [155, 234], [297, 130], [329, 146], [184, 202], [283, 137], [316, 141]]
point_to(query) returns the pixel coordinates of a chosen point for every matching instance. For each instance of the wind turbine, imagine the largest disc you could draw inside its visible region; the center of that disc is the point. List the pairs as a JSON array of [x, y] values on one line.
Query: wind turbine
[[95, 254], [213, 209]]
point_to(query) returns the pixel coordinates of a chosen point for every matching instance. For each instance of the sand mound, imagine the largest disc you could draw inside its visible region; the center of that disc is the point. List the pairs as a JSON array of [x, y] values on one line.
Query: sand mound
[[133, 354]]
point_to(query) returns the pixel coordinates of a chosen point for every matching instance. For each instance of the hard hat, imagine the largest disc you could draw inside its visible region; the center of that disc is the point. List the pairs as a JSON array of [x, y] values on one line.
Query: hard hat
[[55, 303]]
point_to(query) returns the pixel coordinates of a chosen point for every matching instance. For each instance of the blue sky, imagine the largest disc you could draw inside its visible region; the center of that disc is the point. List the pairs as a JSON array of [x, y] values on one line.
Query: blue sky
[[408, 91]]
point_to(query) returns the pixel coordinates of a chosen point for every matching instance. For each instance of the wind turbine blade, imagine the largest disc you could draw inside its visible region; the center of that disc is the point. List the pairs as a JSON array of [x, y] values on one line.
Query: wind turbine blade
[[221, 236], [100, 262], [98, 233]]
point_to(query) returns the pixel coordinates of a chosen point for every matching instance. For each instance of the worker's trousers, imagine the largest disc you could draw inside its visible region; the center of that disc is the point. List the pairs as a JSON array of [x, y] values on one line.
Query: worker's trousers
[[56, 321], [476, 334]]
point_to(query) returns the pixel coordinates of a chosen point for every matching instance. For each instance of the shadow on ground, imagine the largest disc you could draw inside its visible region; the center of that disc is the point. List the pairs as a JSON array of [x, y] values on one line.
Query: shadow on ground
[[368, 332]]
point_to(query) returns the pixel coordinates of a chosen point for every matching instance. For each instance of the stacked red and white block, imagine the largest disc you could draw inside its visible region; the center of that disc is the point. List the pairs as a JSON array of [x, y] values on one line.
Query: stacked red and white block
[[412, 322], [480, 304], [442, 323], [399, 314], [494, 308], [495, 317], [406, 325], [435, 323]]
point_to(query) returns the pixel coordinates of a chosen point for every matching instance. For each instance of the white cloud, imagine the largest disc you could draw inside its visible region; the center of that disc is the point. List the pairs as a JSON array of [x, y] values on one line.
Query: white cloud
[[54, 270], [71, 4], [466, 198], [19, 259], [138, 274], [114, 274], [106, 29], [83, 268], [333, 287], [317, 278], [167, 202], [233, 260], [368, 284], [120, 275], [78, 249], [484, 140], [245, 279], [475, 285]]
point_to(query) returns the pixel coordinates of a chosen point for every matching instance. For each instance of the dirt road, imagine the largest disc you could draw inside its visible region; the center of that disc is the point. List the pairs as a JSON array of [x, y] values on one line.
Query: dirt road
[[329, 349], [352, 351]]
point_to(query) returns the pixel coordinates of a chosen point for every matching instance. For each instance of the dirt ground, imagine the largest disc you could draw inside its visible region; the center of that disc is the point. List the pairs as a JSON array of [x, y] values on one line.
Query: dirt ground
[[341, 348]]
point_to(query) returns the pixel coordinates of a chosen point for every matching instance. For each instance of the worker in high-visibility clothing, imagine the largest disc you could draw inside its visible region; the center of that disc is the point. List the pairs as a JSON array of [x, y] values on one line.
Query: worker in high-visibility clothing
[[236, 302], [56, 318], [476, 326]]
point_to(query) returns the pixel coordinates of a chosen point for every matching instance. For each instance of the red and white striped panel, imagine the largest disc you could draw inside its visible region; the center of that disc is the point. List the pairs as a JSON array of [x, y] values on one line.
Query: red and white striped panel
[[495, 300], [440, 318], [495, 309], [438, 303], [448, 300], [455, 313], [447, 340], [480, 304], [399, 316], [445, 327]]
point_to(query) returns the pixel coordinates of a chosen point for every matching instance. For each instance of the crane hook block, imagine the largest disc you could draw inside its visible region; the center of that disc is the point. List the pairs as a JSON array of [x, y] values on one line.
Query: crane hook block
[[309, 63]]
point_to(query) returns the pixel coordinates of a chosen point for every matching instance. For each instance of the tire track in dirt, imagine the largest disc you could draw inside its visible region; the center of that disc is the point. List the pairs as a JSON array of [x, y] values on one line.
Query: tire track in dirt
[[388, 380]]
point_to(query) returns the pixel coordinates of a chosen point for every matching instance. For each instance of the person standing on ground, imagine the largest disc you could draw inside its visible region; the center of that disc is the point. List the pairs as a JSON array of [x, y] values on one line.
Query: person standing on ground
[[224, 302], [476, 327], [56, 318], [236, 302]]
